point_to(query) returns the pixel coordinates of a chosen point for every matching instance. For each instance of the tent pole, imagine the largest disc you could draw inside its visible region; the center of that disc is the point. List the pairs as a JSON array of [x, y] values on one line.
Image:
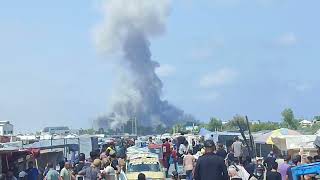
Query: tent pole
[[260, 150], [7, 162]]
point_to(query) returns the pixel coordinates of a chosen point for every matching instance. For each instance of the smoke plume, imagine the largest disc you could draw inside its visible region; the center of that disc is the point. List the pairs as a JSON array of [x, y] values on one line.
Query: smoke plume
[[126, 30]]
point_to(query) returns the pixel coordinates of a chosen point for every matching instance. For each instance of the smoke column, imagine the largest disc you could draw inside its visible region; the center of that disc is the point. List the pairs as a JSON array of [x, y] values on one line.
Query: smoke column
[[126, 30]]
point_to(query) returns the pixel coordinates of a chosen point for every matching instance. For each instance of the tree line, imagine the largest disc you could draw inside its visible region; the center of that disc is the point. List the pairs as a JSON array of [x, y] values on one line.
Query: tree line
[[288, 121]]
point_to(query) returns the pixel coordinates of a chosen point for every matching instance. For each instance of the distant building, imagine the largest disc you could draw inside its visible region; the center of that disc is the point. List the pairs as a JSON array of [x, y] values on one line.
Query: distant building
[[61, 130], [191, 126], [224, 122], [6, 128], [255, 122], [305, 123]]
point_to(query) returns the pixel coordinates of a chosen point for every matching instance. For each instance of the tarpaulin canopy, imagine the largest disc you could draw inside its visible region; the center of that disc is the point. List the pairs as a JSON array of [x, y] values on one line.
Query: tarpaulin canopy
[[267, 138], [288, 142], [317, 141]]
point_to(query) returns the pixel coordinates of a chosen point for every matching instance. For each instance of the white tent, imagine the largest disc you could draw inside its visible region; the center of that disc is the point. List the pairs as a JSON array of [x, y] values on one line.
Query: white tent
[[291, 142]]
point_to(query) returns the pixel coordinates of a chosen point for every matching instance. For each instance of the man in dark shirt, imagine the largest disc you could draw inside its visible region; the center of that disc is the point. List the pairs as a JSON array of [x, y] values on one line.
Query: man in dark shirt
[[268, 162], [273, 174], [33, 173], [221, 152], [81, 164], [317, 157], [259, 170], [210, 166], [249, 166], [230, 158], [296, 161]]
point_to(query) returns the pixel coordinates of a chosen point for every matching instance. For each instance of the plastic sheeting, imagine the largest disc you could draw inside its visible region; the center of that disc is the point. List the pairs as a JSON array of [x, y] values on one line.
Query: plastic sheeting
[[289, 142], [317, 141], [267, 137]]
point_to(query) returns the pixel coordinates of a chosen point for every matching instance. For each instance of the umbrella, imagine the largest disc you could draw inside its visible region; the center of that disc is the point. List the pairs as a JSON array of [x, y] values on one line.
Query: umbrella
[[267, 137]]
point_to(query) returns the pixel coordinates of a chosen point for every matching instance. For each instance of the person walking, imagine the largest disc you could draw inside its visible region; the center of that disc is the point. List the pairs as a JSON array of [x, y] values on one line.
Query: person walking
[[283, 167], [296, 161], [166, 155], [109, 171], [65, 173], [237, 147], [32, 172], [52, 174], [274, 174], [259, 171], [174, 158], [81, 164], [269, 161], [210, 166], [221, 151], [93, 172], [188, 164], [229, 158], [249, 166]]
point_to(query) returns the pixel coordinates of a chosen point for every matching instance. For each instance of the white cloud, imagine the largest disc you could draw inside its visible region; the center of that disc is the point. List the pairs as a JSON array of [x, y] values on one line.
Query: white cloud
[[287, 39], [165, 70], [221, 77]]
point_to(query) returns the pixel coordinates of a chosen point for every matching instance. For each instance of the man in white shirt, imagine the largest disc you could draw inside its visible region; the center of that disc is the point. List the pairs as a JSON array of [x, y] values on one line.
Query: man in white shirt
[[236, 147]]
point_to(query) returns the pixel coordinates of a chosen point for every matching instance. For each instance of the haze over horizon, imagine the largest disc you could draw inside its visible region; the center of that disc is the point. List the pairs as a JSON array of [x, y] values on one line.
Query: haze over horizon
[[217, 59]]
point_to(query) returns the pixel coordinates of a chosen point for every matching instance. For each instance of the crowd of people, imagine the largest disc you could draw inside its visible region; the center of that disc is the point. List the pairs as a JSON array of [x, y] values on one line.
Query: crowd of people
[[216, 163], [108, 163], [201, 160]]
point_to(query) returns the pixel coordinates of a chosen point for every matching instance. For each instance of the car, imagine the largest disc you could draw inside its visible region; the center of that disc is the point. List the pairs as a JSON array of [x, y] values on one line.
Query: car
[[147, 164]]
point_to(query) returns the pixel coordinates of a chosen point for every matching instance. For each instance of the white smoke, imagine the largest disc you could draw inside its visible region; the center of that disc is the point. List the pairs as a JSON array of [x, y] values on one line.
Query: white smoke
[[127, 27]]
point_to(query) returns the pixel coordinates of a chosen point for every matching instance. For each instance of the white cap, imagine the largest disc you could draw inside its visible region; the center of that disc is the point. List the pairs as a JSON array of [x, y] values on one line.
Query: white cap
[[22, 174]]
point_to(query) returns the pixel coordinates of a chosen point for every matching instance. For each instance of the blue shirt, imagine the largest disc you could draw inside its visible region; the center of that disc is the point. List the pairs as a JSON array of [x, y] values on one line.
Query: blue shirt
[[33, 174]]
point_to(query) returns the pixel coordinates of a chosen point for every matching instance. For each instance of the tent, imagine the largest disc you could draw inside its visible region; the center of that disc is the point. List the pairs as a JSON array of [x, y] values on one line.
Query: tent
[[290, 142], [317, 141], [267, 138]]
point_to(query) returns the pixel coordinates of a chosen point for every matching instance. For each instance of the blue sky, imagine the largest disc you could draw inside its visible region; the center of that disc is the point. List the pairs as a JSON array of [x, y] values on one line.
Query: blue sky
[[219, 58]]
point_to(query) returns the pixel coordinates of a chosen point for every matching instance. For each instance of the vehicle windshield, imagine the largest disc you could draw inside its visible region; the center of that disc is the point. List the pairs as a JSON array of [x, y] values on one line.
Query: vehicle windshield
[[154, 167]]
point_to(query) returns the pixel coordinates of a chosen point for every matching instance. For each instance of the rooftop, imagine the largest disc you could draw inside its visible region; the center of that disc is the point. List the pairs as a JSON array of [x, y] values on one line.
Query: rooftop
[[47, 129], [4, 122]]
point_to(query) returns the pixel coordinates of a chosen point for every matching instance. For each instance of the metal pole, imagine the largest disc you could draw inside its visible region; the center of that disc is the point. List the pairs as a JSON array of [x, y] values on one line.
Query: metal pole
[[251, 137], [51, 142], [78, 146]]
